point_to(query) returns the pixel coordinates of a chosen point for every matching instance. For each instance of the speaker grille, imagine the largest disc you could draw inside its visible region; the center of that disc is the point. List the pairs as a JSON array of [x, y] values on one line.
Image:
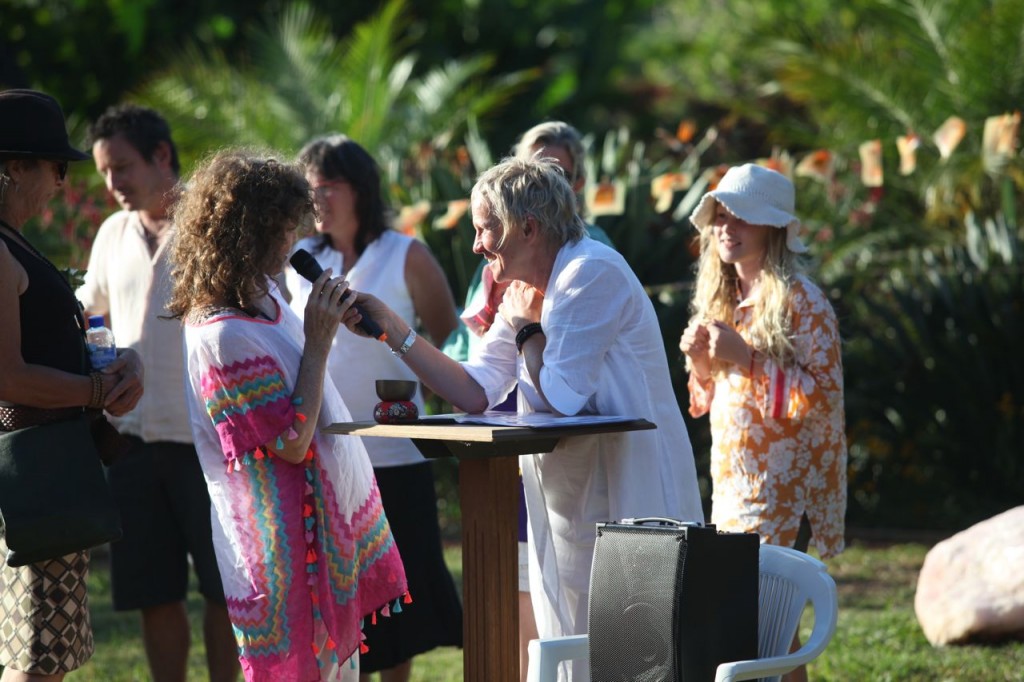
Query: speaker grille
[[669, 603], [633, 592]]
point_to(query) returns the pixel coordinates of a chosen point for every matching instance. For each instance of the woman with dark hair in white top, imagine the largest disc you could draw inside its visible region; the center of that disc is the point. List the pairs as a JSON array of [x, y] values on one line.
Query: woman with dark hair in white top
[[354, 238]]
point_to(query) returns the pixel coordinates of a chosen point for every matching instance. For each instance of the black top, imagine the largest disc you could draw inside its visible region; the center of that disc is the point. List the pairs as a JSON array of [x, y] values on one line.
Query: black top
[[52, 327]]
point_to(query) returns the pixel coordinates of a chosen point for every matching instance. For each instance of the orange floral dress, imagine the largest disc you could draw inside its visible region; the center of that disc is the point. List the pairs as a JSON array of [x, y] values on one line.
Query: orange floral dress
[[778, 438]]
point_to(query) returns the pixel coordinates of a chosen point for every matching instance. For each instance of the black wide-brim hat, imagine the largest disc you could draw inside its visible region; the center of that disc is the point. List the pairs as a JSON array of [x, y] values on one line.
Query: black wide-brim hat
[[32, 126]]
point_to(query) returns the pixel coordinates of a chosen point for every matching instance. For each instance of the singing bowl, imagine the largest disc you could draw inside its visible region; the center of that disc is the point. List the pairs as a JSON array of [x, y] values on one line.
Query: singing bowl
[[395, 389]]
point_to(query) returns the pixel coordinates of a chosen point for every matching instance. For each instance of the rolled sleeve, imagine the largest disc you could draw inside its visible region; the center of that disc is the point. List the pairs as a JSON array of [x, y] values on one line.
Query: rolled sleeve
[[559, 395]]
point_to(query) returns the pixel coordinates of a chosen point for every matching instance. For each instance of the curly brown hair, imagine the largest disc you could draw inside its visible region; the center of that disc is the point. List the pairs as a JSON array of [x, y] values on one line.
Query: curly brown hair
[[232, 223]]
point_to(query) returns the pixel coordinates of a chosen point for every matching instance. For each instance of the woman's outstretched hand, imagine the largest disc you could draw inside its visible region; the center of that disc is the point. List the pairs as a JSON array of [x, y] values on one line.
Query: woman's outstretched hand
[[392, 325]]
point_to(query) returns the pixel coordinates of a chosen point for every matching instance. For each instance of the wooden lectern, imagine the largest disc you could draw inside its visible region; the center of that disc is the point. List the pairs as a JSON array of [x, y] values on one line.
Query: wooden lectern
[[488, 494]]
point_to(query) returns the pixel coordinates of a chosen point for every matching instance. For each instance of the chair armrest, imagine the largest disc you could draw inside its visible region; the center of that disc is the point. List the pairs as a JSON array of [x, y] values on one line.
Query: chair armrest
[[825, 618], [760, 667], [546, 654]]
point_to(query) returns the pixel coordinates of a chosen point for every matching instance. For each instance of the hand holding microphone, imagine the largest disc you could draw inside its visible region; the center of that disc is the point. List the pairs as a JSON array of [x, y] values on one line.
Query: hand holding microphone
[[307, 266]]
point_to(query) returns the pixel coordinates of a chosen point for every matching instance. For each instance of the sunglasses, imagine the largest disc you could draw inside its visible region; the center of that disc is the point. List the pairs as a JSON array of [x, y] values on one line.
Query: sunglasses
[[62, 169]]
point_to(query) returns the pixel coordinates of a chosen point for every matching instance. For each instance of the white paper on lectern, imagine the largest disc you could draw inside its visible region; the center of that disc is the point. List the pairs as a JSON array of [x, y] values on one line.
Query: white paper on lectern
[[535, 420]]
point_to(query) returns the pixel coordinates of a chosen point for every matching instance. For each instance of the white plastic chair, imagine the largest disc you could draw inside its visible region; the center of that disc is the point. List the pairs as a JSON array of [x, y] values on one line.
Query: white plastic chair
[[788, 581]]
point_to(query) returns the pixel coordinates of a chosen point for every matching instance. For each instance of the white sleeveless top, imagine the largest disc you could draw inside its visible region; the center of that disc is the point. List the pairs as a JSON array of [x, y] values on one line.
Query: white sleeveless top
[[355, 362]]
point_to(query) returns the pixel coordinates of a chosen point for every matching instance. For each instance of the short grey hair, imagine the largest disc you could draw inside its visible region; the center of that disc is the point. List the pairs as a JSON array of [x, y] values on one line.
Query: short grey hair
[[555, 134], [518, 189]]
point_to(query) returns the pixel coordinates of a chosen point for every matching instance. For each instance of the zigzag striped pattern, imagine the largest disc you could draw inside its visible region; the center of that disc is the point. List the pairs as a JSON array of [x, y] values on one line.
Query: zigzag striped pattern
[[368, 533], [240, 387], [261, 625]]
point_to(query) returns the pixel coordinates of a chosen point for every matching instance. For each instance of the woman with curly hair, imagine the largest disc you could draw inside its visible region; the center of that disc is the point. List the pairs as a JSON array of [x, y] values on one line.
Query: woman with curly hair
[[763, 352], [302, 542]]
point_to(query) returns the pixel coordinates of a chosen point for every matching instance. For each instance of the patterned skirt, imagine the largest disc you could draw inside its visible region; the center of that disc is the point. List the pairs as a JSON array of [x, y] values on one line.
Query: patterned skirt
[[44, 615]]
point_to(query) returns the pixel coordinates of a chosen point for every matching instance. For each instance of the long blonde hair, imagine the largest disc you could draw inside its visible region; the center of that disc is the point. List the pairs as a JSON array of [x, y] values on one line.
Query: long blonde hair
[[716, 293]]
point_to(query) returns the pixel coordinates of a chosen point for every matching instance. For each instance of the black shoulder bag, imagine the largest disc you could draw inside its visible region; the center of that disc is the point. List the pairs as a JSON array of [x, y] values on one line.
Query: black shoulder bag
[[54, 499]]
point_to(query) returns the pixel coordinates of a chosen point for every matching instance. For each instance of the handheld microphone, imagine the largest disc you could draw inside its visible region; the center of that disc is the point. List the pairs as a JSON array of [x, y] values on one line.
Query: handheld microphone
[[305, 264]]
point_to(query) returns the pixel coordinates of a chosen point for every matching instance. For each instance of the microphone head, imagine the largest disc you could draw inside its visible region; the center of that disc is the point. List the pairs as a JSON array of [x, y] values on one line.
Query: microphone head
[[305, 264]]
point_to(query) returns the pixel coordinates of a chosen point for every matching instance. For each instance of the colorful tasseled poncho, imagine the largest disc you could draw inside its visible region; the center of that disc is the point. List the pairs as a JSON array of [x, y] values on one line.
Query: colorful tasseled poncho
[[304, 550]]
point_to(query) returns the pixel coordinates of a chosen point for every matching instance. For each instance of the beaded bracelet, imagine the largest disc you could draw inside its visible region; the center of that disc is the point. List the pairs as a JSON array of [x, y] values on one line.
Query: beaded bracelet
[[98, 394], [526, 332]]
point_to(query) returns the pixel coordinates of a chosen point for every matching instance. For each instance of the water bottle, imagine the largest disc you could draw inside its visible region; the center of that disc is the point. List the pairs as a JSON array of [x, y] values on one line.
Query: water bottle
[[100, 342]]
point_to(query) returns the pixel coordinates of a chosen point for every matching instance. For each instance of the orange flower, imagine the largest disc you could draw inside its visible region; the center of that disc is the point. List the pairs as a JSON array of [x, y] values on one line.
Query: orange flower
[[456, 209], [907, 146], [1000, 135], [780, 162], [411, 217], [871, 173], [686, 130], [606, 198], [818, 164], [664, 186], [949, 135], [715, 175]]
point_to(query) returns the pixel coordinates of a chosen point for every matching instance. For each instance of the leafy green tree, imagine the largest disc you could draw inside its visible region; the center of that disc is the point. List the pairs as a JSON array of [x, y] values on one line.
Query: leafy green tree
[[831, 74], [87, 53], [297, 80]]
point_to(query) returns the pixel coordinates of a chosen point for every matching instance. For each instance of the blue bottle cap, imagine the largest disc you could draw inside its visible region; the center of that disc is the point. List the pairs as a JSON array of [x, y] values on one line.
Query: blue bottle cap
[[96, 320]]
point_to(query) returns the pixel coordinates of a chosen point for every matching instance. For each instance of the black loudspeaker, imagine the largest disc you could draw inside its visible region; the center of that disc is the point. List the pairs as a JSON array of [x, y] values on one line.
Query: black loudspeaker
[[670, 601]]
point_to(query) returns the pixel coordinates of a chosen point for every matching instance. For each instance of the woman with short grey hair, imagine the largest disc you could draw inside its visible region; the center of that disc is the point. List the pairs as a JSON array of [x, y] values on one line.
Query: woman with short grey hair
[[577, 334]]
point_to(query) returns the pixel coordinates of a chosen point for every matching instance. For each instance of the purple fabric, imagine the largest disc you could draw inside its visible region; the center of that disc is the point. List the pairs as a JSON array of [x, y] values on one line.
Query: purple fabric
[[522, 511]]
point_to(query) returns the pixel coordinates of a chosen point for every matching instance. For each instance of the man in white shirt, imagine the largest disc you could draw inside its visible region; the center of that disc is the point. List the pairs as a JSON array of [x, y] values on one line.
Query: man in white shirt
[[165, 506]]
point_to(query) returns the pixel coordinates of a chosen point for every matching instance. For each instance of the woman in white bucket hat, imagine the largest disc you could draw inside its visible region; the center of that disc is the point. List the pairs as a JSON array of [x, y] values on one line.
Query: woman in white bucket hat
[[763, 354]]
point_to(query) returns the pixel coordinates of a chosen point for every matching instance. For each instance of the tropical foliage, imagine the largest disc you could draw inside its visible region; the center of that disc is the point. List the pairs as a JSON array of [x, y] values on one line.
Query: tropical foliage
[[297, 81], [923, 269]]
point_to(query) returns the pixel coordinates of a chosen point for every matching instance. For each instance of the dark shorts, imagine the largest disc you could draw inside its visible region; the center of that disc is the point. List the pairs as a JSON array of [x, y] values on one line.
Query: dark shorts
[[434, 618], [165, 514]]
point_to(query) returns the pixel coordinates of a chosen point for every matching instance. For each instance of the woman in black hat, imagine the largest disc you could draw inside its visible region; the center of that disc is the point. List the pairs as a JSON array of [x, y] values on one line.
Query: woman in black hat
[[43, 605]]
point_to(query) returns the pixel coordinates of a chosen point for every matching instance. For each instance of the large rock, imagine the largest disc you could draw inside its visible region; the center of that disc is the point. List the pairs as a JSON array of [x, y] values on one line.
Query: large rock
[[971, 587]]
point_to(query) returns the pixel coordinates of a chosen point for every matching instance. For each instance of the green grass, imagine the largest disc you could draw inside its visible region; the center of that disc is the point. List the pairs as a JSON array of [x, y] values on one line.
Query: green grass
[[120, 657], [878, 637]]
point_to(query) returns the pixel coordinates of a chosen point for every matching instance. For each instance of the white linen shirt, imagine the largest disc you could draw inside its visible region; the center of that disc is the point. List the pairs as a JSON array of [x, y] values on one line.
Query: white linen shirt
[[131, 287], [604, 356]]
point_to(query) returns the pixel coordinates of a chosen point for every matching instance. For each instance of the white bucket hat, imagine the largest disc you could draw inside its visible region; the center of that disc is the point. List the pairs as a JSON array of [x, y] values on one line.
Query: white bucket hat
[[757, 195]]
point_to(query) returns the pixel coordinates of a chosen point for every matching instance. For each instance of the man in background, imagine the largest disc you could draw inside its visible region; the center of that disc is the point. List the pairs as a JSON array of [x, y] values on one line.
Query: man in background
[[159, 485]]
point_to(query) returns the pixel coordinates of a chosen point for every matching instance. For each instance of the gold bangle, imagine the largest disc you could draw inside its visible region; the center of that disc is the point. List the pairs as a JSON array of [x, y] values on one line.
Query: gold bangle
[[98, 394]]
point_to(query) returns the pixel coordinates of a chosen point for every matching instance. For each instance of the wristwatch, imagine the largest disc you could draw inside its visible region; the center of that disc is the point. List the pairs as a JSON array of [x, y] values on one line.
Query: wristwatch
[[406, 345]]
